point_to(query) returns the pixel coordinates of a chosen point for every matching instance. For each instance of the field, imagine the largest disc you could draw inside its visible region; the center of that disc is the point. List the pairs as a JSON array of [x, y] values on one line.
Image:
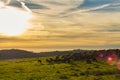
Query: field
[[31, 69]]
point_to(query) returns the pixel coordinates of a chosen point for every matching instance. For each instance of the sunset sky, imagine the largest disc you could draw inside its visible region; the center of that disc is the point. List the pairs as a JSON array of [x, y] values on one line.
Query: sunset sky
[[45, 25]]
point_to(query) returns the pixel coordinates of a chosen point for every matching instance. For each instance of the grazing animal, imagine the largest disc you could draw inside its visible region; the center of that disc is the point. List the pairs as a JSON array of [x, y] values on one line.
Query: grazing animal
[[49, 60], [94, 59], [39, 61], [88, 61]]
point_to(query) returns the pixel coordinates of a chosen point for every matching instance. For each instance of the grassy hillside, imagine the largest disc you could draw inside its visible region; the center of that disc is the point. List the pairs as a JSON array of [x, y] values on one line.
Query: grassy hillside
[[60, 65], [31, 69]]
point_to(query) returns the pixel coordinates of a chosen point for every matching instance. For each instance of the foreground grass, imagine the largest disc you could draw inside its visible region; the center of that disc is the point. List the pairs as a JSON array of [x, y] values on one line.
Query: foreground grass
[[30, 69]]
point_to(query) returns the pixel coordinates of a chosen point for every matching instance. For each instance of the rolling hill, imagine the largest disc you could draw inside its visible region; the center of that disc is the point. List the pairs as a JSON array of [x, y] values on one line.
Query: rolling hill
[[15, 53]]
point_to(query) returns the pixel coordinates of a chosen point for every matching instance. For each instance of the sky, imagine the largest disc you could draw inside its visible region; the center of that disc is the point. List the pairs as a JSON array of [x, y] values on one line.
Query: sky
[[47, 25]]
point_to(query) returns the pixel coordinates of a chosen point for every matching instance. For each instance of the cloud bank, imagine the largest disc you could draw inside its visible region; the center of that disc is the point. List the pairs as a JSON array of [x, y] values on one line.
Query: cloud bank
[[74, 23]]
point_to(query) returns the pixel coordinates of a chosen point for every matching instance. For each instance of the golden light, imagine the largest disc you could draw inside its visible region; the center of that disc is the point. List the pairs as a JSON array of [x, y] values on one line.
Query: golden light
[[13, 21], [1, 4]]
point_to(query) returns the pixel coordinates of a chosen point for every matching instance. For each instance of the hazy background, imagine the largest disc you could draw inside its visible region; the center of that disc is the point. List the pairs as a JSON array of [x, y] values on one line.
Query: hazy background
[[68, 24]]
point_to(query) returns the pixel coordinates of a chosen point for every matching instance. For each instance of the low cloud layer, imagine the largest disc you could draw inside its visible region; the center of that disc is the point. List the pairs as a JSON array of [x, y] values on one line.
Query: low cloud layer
[[72, 24]]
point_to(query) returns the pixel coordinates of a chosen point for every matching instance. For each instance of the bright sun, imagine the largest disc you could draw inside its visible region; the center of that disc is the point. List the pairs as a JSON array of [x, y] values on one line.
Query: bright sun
[[13, 21]]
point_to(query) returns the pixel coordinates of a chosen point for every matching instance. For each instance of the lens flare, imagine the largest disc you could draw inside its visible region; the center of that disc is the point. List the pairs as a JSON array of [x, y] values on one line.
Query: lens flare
[[112, 59], [101, 55]]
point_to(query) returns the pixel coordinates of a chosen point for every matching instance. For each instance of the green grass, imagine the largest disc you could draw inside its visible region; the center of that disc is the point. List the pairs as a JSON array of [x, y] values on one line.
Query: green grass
[[30, 69]]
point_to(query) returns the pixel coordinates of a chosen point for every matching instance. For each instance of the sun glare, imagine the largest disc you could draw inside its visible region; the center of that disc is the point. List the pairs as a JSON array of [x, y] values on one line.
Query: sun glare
[[1, 4], [13, 21]]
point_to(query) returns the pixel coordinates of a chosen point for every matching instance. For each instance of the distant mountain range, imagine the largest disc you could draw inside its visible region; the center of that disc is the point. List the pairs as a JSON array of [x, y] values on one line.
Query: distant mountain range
[[17, 54]]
